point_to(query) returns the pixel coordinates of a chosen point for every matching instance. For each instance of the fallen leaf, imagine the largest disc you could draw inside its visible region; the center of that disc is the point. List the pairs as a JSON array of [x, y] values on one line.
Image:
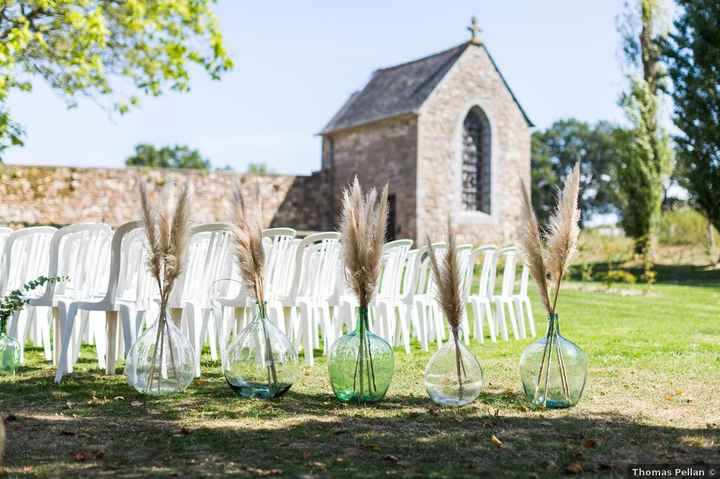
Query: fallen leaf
[[589, 443], [26, 469], [495, 441], [318, 465], [263, 472], [80, 456], [392, 458], [574, 468], [69, 404], [119, 398], [67, 433], [136, 404]]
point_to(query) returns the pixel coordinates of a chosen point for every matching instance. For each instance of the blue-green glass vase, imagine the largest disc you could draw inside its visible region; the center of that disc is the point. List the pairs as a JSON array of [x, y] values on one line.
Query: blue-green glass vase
[[9, 354], [553, 370], [361, 364]]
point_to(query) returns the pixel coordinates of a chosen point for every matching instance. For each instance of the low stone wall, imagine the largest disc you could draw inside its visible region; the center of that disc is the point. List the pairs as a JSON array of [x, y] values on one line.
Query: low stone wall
[[39, 195]]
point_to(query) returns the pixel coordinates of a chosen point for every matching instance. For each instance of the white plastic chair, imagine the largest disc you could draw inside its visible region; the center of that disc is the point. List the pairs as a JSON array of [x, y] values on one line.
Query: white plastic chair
[[119, 296], [505, 298], [410, 284], [388, 297], [208, 259], [480, 299], [316, 268], [523, 305], [4, 234], [81, 254], [423, 300], [26, 256]]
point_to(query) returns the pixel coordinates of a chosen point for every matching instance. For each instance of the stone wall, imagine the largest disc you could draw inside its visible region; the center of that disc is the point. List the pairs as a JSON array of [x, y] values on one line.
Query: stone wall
[[472, 81], [34, 195], [378, 153]]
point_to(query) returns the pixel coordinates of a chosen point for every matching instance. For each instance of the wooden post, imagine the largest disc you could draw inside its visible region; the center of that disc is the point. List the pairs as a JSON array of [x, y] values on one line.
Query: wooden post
[[111, 325]]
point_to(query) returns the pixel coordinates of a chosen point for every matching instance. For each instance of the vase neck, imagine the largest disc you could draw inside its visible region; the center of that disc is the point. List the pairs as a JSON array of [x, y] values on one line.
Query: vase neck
[[553, 324], [363, 322], [261, 309]]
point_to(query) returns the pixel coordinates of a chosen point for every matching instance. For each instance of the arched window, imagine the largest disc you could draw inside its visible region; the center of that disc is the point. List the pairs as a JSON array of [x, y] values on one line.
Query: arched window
[[476, 187]]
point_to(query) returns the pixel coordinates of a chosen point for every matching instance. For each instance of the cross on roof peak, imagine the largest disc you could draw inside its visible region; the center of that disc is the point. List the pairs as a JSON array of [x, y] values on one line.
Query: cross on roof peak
[[475, 31]]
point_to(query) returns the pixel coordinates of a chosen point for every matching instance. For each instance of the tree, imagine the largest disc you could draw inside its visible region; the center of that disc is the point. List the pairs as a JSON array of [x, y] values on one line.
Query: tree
[[646, 161], [98, 48], [167, 157], [258, 169], [693, 57], [556, 150]]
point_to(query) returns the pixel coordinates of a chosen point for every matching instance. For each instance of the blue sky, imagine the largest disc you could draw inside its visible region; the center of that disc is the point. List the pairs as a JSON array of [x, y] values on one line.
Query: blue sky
[[297, 63]]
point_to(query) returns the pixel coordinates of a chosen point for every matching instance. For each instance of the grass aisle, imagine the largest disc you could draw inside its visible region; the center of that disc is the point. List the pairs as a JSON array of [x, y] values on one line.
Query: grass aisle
[[651, 397]]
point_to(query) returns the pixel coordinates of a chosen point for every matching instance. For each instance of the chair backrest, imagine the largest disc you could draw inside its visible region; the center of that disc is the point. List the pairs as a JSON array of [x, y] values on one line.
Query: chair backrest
[[127, 263], [4, 234], [280, 250], [426, 283], [509, 255], [411, 273], [26, 255], [208, 258], [466, 264], [317, 261], [486, 284], [80, 252], [524, 278], [392, 264]]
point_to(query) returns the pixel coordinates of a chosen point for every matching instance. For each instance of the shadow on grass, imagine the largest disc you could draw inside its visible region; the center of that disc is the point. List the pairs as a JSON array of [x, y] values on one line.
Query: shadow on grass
[[452, 443]]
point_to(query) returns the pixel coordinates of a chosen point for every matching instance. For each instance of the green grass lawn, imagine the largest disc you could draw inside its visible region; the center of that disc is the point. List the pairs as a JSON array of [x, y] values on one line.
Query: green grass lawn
[[652, 396]]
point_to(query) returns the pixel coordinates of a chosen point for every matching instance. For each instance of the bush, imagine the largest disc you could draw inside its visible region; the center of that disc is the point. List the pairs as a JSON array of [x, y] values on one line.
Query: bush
[[619, 276], [682, 226]]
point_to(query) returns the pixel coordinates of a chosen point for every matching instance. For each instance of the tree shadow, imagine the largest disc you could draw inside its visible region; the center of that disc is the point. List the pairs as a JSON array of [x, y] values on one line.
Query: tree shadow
[[452, 443]]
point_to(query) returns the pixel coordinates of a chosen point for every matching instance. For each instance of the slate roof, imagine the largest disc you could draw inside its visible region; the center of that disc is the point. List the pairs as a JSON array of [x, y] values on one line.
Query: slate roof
[[400, 90]]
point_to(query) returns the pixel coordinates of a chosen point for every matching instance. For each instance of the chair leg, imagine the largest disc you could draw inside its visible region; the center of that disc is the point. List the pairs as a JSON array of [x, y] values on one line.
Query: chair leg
[[111, 327], [530, 318], [307, 322], [500, 315], [62, 347], [487, 308], [58, 335], [513, 321]]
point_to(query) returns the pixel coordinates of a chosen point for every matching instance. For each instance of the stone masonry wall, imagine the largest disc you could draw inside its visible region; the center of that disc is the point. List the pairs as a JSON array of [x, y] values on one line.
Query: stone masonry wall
[[379, 153], [34, 195], [471, 81]]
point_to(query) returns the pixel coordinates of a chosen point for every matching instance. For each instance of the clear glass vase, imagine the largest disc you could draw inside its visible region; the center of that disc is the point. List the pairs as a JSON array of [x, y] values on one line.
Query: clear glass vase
[[553, 370], [361, 364], [261, 362], [9, 354], [162, 360], [453, 376]]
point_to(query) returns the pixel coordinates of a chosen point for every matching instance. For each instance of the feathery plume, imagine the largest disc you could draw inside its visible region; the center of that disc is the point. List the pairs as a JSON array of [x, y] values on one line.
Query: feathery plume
[[532, 246], [564, 229], [363, 223], [249, 252], [448, 280]]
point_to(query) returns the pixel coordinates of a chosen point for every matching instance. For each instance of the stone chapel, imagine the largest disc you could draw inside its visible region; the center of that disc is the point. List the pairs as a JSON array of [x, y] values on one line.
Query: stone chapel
[[447, 134]]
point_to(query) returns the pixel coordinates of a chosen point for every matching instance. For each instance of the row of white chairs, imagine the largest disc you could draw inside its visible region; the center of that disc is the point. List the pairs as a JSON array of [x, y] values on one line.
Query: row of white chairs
[[109, 290]]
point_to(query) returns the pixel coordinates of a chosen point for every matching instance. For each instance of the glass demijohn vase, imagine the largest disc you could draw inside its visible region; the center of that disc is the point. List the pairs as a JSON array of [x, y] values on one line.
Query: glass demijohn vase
[[261, 362], [453, 376], [361, 364], [162, 360], [9, 354], [553, 370]]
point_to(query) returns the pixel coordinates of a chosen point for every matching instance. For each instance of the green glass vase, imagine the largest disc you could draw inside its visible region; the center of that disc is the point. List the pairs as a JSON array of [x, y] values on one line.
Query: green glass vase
[[553, 370], [261, 362], [361, 364], [9, 354]]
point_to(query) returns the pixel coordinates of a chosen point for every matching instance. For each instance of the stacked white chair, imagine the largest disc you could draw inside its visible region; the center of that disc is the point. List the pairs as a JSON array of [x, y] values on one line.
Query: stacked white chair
[[388, 302], [522, 304], [125, 294], [26, 256], [423, 300], [208, 259], [314, 281], [81, 254], [504, 300], [480, 299]]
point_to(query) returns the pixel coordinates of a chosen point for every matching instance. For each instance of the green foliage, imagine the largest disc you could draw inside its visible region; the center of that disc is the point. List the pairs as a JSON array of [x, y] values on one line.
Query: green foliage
[[683, 226], [167, 157], [95, 48], [646, 160], [692, 53], [258, 169], [554, 153], [618, 276], [16, 300]]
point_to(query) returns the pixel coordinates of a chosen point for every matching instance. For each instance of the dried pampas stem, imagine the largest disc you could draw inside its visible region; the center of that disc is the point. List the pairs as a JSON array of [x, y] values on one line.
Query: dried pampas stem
[[533, 248], [167, 228], [449, 282], [362, 226], [250, 258]]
